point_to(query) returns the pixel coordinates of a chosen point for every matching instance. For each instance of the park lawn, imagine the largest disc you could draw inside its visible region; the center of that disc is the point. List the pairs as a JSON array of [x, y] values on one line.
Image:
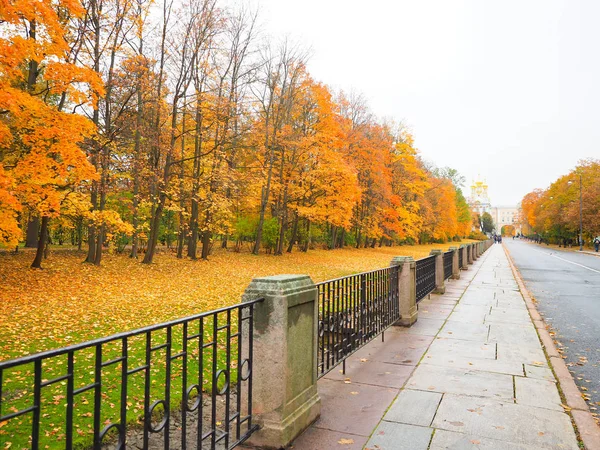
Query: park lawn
[[70, 302]]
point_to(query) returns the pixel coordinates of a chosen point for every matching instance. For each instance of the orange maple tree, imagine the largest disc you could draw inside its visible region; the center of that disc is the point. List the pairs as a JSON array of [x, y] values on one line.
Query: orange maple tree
[[41, 160]]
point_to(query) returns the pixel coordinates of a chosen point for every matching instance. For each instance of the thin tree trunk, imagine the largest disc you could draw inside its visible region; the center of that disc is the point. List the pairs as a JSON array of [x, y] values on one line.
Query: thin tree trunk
[[181, 234], [294, 234], [307, 241], [283, 225], [42, 242]]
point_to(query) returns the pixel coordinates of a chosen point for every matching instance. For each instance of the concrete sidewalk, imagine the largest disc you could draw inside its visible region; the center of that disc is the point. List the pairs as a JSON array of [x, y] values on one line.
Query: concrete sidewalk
[[470, 374]]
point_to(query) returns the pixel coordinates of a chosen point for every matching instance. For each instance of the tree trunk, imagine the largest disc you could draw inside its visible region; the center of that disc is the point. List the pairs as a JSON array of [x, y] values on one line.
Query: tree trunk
[[206, 244], [283, 226], [193, 239], [333, 237], [154, 225], [294, 234], [342, 238], [307, 241], [33, 232], [42, 242]]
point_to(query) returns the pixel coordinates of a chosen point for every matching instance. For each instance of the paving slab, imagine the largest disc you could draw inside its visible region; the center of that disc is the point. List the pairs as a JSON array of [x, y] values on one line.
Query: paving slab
[[459, 348], [398, 348], [468, 316], [481, 365], [540, 373], [521, 318], [425, 327], [318, 439], [525, 355], [461, 381], [522, 424], [477, 332], [414, 407], [538, 393], [444, 440], [514, 334], [399, 436], [352, 408], [377, 373]]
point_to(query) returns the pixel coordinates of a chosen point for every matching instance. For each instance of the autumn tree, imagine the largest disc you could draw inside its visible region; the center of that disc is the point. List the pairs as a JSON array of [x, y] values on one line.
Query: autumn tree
[[40, 157]]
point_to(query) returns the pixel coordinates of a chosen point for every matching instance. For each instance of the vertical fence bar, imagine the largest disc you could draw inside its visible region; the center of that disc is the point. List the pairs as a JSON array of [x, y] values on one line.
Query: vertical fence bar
[[70, 400], [200, 382], [147, 373], [124, 366], [250, 359], [184, 387], [97, 395], [227, 378], [240, 341], [37, 394], [213, 412], [168, 389]]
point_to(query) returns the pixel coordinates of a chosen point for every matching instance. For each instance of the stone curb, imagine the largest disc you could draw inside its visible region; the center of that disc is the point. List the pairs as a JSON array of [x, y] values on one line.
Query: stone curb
[[587, 427]]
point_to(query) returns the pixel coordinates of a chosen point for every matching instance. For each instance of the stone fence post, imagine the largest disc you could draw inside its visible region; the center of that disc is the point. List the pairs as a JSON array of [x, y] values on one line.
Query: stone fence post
[[465, 262], [474, 251], [407, 289], [470, 253], [440, 285], [284, 363], [455, 266]]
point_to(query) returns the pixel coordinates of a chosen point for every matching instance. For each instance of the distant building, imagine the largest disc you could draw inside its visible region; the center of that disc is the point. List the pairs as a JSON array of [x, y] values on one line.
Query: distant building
[[506, 215], [479, 201]]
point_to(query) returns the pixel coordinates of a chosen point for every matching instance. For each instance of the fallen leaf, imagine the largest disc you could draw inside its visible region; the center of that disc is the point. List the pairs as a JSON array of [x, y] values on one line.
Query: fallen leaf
[[344, 441]]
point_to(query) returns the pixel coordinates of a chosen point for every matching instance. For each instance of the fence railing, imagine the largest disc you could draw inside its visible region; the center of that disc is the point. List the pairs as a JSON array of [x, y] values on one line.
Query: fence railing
[[425, 269], [448, 257], [181, 384], [352, 311], [460, 258]]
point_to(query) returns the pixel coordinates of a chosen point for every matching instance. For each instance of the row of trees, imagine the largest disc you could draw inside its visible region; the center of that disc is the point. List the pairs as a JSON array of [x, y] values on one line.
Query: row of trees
[[137, 123], [554, 213]]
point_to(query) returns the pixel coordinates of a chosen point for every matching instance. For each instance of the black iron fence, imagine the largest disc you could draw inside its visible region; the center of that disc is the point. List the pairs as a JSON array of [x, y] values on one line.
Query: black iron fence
[[352, 311], [181, 384], [460, 258], [425, 269], [448, 257]]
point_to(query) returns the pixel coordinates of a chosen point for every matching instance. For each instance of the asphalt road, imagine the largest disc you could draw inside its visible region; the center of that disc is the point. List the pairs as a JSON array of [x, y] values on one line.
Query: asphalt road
[[567, 287]]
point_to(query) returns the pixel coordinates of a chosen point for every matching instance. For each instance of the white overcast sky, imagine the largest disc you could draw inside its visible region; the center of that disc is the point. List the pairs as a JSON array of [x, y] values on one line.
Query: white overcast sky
[[509, 90]]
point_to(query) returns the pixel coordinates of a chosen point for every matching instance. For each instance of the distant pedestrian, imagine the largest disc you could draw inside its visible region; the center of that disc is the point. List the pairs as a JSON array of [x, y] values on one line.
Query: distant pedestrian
[[597, 243]]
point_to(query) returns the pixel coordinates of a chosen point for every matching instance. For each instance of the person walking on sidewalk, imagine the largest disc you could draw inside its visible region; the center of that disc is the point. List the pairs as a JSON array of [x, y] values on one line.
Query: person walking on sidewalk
[[597, 243]]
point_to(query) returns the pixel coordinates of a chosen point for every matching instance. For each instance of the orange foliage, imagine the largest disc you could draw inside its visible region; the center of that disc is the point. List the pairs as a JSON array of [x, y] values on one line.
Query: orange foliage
[[42, 159]]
